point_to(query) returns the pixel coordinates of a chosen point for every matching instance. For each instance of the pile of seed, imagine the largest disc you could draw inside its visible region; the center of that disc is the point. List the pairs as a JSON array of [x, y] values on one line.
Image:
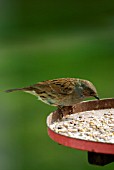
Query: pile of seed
[[95, 125]]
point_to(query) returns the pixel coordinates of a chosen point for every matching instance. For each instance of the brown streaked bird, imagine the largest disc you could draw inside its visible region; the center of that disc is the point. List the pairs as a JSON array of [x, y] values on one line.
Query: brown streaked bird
[[61, 92]]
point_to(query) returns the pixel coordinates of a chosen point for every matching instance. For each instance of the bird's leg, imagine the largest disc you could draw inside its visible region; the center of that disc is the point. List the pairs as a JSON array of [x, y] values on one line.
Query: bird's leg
[[68, 110], [60, 111]]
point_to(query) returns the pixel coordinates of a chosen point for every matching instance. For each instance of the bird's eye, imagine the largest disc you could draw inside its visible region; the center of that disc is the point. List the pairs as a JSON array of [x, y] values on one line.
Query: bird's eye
[[91, 93]]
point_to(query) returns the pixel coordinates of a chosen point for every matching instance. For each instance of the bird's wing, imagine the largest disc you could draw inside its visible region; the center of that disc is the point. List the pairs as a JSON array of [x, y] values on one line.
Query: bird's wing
[[57, 86]]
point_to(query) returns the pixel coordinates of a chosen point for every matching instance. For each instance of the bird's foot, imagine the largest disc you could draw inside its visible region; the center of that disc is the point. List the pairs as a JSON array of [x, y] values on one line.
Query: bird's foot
[[64, 111]]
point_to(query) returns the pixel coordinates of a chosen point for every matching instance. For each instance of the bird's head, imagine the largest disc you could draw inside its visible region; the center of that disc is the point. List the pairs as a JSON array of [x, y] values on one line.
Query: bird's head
[[88, 89]]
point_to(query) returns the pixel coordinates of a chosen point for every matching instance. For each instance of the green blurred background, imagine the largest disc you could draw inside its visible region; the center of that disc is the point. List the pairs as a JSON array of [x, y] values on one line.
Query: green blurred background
[[42, 40]]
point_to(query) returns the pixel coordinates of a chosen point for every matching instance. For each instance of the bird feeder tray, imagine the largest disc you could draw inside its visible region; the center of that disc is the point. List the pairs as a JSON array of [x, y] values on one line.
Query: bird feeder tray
[[99, 153]]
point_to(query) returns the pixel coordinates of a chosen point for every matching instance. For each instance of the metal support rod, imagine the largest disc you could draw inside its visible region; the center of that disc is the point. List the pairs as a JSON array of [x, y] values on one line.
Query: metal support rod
[[100, 158]]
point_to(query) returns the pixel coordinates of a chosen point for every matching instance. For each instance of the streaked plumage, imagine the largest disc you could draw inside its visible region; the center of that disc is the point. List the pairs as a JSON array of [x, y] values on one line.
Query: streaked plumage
[[61, 92]]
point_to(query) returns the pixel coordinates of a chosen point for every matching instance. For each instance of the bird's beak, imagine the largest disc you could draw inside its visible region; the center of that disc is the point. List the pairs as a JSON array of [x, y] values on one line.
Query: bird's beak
[[97, 97]]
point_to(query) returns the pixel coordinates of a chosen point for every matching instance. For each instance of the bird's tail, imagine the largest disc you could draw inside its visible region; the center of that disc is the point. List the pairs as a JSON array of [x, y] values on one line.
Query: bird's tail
[[12, 90], [20, 89]]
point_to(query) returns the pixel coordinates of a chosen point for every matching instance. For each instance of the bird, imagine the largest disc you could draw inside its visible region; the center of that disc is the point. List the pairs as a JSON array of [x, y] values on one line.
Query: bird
[[61, 92]]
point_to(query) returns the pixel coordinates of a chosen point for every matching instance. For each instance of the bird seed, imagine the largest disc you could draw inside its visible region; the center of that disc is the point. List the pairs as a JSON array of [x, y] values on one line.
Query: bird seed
[[94, 125]]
